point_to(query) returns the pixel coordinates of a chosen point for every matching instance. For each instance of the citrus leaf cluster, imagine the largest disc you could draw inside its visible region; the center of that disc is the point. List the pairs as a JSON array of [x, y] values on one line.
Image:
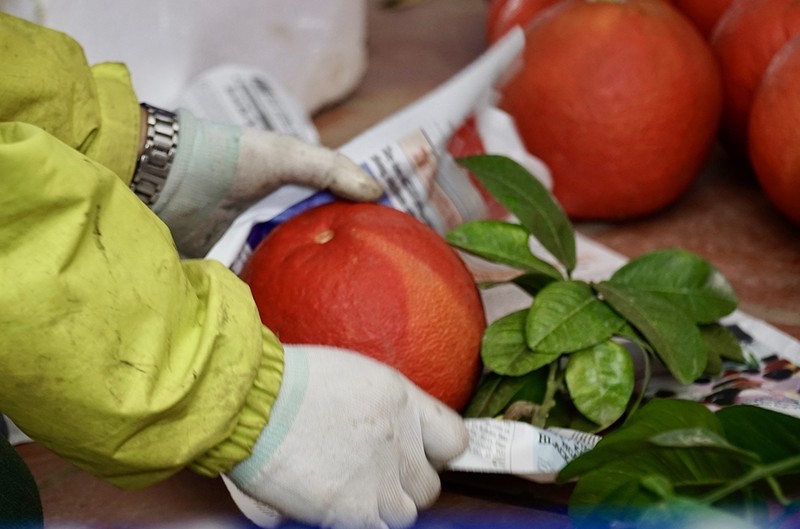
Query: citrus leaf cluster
[[677, 464], [569, 349]]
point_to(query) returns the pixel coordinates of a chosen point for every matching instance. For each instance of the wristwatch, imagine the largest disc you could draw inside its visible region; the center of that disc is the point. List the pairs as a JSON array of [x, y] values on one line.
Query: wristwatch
[[159, 150]]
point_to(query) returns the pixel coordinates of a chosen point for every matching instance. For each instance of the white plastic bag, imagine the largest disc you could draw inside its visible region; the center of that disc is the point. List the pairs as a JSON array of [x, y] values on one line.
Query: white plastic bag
[[314, 48]]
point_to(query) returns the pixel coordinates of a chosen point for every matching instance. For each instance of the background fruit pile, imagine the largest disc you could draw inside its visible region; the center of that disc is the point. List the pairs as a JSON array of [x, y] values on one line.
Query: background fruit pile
[[624, 99]]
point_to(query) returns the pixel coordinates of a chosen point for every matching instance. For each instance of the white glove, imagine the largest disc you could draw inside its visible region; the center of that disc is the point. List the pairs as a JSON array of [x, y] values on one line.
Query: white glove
[[351, 443], [220, 170]]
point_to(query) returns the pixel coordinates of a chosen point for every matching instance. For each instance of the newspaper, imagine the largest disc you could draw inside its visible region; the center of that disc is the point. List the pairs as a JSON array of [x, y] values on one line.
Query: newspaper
[[514, 447]]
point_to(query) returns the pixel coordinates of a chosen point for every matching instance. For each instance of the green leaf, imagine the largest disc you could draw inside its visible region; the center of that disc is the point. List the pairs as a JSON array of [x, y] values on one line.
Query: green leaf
[[597, 504], [655, 417], [659, 485], [530, 202], [699, 437], [679, 512], [495, 392], [505, 351], [683, 278], [600, 381], [620, 491], [772, 435], [713, 362], [674, 337], [722, 342], [566, 316], [532, 283], [563, 413], [500, 242], [533, 388], [678, 442]]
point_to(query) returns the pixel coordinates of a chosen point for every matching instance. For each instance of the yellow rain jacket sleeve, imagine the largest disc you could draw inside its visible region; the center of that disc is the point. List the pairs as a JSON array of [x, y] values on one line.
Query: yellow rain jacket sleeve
[[45, 80], [114, 353]]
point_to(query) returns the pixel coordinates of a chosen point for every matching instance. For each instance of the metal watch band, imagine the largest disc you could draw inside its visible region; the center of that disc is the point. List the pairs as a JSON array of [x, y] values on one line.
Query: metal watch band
[[159, 150]]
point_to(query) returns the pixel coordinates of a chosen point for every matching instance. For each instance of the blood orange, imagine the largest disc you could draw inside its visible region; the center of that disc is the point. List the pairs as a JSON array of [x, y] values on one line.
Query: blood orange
[[621, 99], [373, 279]]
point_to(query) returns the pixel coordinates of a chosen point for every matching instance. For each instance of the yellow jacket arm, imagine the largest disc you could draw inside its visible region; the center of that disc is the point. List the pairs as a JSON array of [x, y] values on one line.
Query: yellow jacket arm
[[45, 80], [113, 352]]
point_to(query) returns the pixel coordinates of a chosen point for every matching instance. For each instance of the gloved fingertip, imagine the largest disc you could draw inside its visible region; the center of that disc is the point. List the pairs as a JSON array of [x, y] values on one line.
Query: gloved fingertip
[[421, 482], [357, 187], [349, 181], [444, 434], [397, 510], [254, 510], [372, 190]]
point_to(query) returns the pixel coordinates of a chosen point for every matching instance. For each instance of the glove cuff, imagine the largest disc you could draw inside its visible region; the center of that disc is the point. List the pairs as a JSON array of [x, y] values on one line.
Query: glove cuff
[[282, 415], [202, 174]]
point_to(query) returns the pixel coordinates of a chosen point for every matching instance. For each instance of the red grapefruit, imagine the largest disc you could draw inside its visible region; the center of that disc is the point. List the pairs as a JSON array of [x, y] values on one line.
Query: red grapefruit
[[774, 133], [504, 15], [621, 99], [745, 40], [375, 280], [703, 13]]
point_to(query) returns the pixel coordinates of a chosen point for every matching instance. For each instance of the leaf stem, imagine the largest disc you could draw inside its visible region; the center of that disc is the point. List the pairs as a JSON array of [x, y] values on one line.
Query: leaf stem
[[777, 491], [643, 389], [757, 473], [539, 417]]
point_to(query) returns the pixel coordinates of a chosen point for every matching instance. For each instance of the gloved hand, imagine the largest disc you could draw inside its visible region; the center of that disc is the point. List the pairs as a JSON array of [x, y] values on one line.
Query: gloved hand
[[220, 170], [351, 443]]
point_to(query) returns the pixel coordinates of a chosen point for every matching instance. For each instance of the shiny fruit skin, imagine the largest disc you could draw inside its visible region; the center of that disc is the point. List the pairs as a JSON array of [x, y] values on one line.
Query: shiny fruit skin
[[373, 279], [746, 38], [703, 13], [774, 133], [621, 99], [506, 14]]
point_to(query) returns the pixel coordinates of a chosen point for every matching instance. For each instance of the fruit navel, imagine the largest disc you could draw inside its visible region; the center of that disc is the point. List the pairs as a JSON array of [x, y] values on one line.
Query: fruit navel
[[323, 236]]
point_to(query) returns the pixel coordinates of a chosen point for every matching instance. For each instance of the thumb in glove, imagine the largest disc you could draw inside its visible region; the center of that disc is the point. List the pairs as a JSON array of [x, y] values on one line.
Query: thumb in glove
[[350, 443], [220, 170]]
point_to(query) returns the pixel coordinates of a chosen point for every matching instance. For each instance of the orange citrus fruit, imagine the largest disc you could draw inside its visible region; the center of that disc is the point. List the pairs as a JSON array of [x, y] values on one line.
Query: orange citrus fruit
[[774, 134], [744, 41], [621, 99], [504, 15], [373, 279]]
